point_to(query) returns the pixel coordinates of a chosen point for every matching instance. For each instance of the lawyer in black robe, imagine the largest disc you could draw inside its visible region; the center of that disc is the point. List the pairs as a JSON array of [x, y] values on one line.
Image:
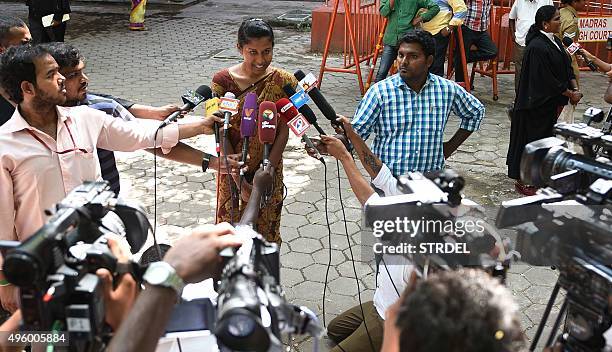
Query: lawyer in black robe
[[546, 82]]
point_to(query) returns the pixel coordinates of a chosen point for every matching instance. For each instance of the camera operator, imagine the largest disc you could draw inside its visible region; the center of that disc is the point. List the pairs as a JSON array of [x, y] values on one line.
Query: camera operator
[[192, 259], [118, 301], [454, 311]]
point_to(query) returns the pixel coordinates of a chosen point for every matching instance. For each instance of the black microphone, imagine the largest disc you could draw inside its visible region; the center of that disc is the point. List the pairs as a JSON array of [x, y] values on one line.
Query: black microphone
[[305, 110], [319, 100], [568, 42], [191, 99]]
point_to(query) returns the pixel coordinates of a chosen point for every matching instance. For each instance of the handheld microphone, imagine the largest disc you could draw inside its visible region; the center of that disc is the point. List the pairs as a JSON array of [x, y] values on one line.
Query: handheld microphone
[[212, 107], [286, 112], [266, 123], [229, 106], [319, 100], [304, 109], [575, 48], [191, 99], [248, 124]]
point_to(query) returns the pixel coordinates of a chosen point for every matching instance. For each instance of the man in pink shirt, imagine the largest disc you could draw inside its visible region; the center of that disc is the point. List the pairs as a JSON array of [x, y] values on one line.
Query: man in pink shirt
[[47, 150]]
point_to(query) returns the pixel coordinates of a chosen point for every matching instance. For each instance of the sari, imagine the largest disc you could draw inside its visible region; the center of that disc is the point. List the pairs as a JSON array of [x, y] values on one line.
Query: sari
[[270, 88], [137, 15]]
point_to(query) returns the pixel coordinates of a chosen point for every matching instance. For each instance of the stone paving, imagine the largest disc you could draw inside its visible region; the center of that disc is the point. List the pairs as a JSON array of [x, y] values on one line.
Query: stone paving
[[177, 52]]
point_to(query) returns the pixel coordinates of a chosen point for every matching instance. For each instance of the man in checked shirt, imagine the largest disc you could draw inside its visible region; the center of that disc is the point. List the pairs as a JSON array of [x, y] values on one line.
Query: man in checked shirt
[[408, 111]]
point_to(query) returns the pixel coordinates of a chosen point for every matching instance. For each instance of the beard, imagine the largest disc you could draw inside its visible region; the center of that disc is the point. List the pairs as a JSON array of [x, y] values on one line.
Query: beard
[[43, 100]]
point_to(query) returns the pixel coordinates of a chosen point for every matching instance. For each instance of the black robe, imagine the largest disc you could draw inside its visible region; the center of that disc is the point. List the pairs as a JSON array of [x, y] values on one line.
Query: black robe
[[546, 74]]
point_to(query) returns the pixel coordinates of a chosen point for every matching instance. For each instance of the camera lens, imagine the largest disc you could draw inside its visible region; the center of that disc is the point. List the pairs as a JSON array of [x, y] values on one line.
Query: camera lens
[[240, 325]]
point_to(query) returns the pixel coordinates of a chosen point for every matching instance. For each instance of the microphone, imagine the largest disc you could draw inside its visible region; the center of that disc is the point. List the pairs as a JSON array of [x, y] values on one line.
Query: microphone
[[248, 124], [212, 107], [266, 123], [575, 48], [305, 110], [229, 106], [287, 112], [191, 99], [319, 100]]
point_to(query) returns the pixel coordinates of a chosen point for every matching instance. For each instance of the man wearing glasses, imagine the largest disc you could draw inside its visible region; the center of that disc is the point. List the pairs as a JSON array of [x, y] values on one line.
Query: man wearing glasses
[[46, 150]]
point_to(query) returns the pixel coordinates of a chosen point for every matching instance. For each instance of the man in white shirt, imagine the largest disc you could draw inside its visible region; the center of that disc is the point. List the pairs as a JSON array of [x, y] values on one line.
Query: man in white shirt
[[348, 329], [522, 16]]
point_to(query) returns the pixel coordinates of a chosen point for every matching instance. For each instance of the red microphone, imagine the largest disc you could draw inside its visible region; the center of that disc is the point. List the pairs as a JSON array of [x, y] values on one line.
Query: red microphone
[[288, 111], [266, 125]]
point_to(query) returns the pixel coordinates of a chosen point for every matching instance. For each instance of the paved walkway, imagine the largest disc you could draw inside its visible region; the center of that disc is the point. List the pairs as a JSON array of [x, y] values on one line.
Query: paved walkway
[[182, 49]]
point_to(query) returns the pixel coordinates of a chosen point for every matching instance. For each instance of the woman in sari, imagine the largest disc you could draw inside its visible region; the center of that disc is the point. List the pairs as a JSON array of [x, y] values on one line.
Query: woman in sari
[[137, 15], [254, 74], [546, 84]]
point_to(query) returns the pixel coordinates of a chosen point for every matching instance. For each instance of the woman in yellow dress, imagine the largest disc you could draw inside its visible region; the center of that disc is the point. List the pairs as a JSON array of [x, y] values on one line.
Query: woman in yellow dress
[[254, 74]]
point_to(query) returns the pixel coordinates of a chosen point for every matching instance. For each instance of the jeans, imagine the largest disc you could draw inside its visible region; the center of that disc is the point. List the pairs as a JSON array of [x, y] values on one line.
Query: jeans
[[486, 49], [387, 58], [437, 68]]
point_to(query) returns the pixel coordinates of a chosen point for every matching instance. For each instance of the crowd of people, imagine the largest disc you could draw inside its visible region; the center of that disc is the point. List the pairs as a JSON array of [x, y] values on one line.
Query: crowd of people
[[55, 134]]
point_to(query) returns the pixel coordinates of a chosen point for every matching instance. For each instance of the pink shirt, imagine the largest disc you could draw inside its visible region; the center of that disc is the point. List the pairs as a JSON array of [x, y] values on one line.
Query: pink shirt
[[36, 171]]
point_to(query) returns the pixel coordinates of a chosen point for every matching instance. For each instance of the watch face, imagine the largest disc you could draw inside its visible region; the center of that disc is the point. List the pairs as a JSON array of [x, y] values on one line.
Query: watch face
[[157, 275]]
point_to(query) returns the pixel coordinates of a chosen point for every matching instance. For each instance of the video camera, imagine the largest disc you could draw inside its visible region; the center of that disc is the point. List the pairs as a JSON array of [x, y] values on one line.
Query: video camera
[[567, 224], [445, 230], [55, 267]]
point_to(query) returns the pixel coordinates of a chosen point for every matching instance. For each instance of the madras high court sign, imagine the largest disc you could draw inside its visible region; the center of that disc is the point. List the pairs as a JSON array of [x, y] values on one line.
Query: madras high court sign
[[595, 29]]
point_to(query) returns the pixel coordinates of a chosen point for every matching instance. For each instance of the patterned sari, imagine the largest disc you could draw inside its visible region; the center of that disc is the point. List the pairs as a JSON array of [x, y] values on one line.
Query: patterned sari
[[271, 89], [137, 15]]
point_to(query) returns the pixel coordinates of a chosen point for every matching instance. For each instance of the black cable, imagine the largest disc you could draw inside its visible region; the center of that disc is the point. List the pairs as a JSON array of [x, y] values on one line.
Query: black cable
[[155, 244], [329, 244], [229, 178], [348, 238], [382, 259]]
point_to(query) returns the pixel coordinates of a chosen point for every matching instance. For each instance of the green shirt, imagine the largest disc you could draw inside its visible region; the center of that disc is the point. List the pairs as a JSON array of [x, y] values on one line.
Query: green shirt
[[401, 16]]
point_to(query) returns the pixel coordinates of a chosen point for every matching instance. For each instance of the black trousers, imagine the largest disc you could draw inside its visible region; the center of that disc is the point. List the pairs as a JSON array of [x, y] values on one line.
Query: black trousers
[[437, 68], [486, 49], [41, 34]]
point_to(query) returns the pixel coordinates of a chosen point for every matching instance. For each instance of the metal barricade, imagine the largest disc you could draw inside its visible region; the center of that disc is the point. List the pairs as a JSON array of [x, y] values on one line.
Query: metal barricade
[[362, 26]]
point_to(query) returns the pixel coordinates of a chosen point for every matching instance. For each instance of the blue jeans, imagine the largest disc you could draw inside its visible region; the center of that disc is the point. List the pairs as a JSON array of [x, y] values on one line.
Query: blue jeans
[[389, 55]]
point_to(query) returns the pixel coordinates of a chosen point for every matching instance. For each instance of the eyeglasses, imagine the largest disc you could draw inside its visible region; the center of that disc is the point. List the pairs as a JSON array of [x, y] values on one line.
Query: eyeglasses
[[74, 149]]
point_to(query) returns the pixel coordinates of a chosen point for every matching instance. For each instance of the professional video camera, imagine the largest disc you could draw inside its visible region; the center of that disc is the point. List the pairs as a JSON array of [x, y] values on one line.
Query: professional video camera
[[55, 268], [568, 225], [252, 312], [434, 226]]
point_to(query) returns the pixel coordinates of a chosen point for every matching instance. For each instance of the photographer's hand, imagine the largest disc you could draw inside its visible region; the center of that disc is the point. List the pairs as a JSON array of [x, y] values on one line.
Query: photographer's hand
[[194, 257], [118, 302], [9, 297]]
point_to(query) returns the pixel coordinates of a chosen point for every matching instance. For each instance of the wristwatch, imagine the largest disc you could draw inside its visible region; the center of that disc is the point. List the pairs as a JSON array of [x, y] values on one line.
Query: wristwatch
[[163, 274], [206, 161]]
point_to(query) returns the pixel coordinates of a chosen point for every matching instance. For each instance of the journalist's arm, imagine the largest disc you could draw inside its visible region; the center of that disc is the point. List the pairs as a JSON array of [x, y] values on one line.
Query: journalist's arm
[[194, 258]]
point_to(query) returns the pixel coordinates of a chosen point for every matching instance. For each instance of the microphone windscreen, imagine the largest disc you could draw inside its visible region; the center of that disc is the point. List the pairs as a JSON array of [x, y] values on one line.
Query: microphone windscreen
[[248, 124], [318, 99], [567, 41], [205, 91], [299, 74], [304, 109], [286, 110], [266, 121]]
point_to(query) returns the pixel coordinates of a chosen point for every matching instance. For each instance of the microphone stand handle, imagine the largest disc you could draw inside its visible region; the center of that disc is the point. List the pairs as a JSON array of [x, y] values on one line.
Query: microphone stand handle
[[319, 129], [217, 146]]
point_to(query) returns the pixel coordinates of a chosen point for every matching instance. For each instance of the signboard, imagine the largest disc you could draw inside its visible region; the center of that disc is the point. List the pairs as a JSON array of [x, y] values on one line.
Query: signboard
[[595, 29], [299, 125]]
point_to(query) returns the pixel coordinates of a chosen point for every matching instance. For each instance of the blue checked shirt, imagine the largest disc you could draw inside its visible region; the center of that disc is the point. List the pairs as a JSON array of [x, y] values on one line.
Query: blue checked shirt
[[409, 126]]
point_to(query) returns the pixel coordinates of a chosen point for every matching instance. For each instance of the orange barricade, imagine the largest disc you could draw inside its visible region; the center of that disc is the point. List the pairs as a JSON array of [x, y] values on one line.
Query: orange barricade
[[362, 25], [451, 54]]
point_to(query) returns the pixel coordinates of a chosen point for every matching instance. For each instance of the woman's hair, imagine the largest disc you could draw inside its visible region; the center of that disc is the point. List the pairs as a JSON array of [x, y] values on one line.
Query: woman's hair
[[544, 14], [254, 28]]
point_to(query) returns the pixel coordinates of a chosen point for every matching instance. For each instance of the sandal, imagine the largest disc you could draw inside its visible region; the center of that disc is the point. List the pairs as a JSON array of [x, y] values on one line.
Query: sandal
[[524, 189]]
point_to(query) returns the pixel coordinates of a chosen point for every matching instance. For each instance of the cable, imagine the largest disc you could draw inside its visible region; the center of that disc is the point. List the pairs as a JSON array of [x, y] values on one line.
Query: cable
[[155, 244], [390, 278], [229, 177], [348, 238], [329, 244]]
